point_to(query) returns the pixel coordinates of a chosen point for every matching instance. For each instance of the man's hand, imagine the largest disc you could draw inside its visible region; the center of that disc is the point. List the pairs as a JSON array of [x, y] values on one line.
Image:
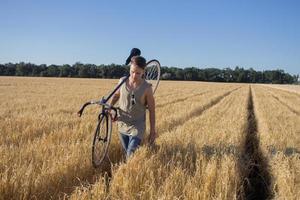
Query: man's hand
[[152, 137], [113, 115]]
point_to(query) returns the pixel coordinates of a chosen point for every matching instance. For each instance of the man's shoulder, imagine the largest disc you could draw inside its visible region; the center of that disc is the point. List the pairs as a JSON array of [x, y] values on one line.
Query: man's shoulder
[[122, 79], [148, 84], [148, 88]]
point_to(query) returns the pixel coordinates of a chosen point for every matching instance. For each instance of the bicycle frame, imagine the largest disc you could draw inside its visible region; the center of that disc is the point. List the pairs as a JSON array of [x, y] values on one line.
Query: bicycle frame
[[116, 89], [104, 101]]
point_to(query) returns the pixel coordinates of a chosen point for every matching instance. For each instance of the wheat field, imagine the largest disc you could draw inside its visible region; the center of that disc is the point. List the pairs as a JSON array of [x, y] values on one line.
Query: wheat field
[[215, 141]]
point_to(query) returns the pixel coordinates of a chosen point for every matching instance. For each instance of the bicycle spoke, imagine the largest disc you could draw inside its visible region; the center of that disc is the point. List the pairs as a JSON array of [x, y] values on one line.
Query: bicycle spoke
[[101, 140]]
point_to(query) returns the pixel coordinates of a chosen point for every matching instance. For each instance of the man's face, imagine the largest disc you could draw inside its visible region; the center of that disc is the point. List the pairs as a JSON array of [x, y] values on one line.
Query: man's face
[[136, 73]]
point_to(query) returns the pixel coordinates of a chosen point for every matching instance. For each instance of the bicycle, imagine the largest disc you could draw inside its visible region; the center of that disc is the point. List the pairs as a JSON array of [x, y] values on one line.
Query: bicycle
[[103, 132]]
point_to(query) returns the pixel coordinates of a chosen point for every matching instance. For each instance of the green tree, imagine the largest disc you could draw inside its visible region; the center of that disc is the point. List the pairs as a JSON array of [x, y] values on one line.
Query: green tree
[[53, 71], [24, 69], [64, 70]]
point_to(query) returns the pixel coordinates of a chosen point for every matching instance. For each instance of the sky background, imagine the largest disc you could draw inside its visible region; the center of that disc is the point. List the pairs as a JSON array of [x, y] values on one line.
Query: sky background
[[262, 34]]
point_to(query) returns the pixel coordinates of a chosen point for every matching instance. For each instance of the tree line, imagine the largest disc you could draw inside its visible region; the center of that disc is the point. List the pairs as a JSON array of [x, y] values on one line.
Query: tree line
[[80, 70]]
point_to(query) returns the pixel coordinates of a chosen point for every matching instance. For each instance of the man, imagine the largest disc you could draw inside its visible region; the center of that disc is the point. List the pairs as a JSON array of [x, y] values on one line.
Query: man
[[134, 96]]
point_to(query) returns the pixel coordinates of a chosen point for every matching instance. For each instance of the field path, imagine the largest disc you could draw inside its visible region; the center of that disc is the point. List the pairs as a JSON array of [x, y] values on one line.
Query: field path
[[254, 165]]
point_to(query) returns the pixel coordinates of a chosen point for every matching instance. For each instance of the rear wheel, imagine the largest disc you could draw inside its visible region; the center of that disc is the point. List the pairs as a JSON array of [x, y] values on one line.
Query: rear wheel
[[152, 73], [101, 140]]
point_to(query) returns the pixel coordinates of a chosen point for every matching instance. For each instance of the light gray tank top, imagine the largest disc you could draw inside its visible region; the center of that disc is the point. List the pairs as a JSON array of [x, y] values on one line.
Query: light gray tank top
[[132, 113]]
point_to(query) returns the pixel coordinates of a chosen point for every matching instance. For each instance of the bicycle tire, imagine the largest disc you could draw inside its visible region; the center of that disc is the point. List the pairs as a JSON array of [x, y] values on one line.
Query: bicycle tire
[[101, 139], [152, 73]]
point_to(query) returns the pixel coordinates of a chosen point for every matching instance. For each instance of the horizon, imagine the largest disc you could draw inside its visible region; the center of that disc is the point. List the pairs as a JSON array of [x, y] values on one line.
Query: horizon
[[198, 67], [206, 34]]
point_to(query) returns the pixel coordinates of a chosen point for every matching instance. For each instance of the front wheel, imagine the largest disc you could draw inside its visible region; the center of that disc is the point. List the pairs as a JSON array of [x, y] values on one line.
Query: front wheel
[[101, 139]]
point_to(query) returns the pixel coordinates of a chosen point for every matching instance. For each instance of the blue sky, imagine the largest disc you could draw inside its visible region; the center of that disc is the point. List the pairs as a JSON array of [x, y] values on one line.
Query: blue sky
[[261, 34]]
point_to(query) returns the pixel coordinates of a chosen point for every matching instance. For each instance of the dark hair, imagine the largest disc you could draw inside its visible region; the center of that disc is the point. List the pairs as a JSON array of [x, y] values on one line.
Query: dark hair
[[139, 61]]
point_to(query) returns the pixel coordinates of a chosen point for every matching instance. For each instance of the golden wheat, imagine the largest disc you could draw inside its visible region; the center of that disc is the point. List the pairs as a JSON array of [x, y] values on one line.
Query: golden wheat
[[290, 88], [45, 148], [279, 129]]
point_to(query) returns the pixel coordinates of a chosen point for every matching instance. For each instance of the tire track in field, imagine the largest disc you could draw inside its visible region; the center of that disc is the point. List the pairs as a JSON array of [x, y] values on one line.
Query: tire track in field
[[286, 105], [196, 112], [181, 99], [282, 102], [165, 95], [285, 90], [253, 166]]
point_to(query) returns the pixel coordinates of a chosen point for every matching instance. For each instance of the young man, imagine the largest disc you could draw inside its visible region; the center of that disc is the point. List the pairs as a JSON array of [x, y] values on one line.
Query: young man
[[134, 95]]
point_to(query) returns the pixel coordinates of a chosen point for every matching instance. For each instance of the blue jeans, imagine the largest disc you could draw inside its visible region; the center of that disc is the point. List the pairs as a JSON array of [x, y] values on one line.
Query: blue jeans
[[129, 143]]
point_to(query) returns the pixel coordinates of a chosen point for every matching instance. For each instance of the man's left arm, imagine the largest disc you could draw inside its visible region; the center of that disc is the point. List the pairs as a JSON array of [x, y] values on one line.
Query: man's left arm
[[151, 106]]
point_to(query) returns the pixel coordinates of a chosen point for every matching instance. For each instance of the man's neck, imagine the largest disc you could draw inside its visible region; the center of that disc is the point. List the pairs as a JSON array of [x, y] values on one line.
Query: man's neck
[[135, 82]]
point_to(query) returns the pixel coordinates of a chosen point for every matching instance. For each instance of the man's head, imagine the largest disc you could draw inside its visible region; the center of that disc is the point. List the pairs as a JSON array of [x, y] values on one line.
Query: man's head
[[137, 67]]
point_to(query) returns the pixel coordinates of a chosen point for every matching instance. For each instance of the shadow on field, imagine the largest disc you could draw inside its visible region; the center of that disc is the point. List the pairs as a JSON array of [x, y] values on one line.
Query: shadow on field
[[253, 166], [220, 150], [288, 151]]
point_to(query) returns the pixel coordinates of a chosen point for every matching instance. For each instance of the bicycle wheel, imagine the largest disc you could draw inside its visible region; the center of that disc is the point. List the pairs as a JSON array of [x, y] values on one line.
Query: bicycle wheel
[[152, 73], [101, 140]]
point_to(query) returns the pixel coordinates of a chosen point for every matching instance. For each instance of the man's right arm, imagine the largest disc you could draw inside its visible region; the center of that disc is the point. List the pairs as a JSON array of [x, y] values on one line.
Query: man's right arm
[[116, 96]]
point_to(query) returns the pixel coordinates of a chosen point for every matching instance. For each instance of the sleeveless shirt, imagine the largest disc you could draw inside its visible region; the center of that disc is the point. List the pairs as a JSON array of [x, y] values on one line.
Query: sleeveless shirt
[[132, 113]]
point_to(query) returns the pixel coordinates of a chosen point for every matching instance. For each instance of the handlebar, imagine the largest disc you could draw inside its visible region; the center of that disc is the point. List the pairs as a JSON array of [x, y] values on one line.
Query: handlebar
[[101, 102]]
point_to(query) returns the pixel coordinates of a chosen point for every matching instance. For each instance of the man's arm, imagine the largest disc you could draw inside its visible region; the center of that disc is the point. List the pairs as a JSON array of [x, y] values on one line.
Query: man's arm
[[116, 96], [151, 106]]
